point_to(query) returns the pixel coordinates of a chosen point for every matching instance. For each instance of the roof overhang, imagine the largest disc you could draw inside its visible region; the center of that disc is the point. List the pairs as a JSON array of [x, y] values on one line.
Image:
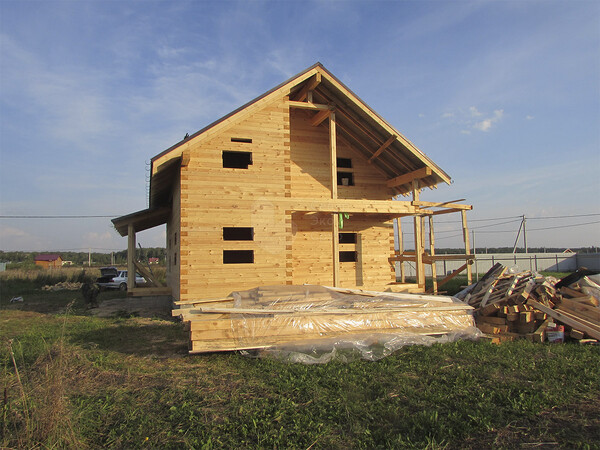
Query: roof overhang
[[142, 220]]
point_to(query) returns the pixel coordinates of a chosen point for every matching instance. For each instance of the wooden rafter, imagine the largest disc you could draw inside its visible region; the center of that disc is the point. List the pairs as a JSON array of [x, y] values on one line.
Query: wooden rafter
[[408, 177], [310, 85], [380, 150], [320, 117]]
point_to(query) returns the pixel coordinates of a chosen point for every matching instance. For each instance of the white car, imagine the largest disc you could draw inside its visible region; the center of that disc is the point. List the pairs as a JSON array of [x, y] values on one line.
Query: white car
[[117, 279]]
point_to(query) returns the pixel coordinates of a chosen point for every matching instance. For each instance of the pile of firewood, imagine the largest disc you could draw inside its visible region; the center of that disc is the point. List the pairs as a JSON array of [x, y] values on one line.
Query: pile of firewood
[[527, 305], [63, 286]]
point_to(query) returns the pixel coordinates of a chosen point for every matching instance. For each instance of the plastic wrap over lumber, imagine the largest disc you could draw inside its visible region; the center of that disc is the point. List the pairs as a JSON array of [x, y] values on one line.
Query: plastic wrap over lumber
[[289, 315]]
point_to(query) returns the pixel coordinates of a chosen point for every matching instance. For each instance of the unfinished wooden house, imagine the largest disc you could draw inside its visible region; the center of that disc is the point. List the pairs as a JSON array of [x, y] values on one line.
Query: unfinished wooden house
[[297, 186]]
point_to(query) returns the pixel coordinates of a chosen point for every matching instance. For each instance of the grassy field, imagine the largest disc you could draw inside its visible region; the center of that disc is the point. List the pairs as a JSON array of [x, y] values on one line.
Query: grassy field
[[70, 380]]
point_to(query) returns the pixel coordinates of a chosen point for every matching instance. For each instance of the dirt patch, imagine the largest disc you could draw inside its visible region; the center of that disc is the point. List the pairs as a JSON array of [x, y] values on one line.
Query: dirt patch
[[134, 307]]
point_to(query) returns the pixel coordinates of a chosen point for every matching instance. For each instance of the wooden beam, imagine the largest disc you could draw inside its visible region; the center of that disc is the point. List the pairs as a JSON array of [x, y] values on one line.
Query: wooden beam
[[449, 204], [333, 155], [463, 214], [432, 253], [130, 257], [147, 275], [309, 105], [335, 232], [380, 150], [185, 158], [408, 177], [310, 86], [320, 117], [418, 230]]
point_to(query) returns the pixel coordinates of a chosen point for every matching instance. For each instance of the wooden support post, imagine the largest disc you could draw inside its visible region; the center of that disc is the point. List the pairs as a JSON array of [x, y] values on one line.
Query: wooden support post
[[335, 228], [130, 257], [333, 156], [463, 214], [335, 239], [418, 239], [401, 250], [432, 253]]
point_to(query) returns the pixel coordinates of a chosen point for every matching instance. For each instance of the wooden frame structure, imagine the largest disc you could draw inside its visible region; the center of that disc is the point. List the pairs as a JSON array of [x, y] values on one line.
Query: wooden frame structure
[[297, 186]]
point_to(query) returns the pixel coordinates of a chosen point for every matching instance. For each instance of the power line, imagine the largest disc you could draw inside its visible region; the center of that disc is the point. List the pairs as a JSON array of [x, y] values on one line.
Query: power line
[[564, 226], [57, 217]]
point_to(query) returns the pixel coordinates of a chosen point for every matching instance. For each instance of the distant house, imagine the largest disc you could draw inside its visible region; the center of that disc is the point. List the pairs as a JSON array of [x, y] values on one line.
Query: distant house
[[152, 260], [48, 261]]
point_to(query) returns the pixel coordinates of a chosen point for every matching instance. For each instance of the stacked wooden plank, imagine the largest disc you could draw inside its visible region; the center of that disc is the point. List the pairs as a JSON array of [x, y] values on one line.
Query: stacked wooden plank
[[527, 305], [287, 316]]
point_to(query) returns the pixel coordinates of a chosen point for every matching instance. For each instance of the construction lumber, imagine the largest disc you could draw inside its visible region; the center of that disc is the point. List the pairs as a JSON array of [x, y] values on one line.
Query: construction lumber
[[530, 303], [288, 316]]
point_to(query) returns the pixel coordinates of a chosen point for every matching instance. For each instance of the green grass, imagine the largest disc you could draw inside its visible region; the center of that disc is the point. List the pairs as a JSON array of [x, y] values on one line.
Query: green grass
[[87, 382]]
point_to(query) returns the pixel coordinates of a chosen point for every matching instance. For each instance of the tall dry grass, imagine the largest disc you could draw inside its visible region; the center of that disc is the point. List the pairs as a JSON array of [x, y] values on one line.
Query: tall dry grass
[[35, 410]]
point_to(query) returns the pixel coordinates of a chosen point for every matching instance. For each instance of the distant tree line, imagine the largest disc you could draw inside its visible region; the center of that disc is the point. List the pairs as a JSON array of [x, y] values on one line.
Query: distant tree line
[[82, 258]]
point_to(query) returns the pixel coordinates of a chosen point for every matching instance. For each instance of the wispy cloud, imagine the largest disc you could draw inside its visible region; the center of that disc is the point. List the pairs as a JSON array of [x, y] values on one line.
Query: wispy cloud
[[486, 124]]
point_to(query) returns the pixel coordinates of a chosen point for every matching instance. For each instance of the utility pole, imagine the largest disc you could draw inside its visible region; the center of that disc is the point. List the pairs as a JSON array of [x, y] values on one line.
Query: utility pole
[[525, 234], [89, 257]]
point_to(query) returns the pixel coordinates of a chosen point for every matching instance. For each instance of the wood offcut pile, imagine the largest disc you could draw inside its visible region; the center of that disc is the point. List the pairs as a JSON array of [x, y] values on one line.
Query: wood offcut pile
[[527, 305], [284, 316], [63, 286]]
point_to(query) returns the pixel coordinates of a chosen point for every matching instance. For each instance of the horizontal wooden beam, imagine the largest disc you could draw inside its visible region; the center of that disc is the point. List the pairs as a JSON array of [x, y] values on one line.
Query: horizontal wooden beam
[[380, 150], [349, 206], [456, 206], [308, 105], [408, 177]]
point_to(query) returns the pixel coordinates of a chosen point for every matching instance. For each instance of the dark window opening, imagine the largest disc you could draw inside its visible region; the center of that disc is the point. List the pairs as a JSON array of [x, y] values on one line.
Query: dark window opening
[[175, 239], [347, 238], [238, 256], [237, 160], [238, 233], [243, 140], [347, 256], [175, 258], [345, 163], [345, 179]]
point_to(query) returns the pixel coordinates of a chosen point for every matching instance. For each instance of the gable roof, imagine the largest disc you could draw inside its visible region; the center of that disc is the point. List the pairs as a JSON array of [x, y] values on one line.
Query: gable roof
[[357, 124], [47, 257]]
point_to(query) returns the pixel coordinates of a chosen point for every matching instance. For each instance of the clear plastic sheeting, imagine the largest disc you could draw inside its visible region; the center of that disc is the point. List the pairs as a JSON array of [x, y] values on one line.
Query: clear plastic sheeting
[[314, 324]]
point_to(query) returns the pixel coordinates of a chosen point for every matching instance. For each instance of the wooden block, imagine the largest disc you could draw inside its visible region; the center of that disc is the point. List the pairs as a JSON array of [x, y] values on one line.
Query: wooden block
[[489, 309], [576, 334], [526, 317], [492, 329], [539, 315], [512, 317], [492, 320]]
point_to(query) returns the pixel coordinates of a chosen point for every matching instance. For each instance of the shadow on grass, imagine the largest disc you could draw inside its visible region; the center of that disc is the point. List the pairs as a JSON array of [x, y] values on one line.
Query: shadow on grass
[[137, 337]]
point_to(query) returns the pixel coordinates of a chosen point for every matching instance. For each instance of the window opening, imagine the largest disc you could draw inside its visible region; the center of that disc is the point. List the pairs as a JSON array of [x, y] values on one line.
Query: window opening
[[238, 256], [345, 179], [237, 160], [345, 163], [243, 140], [346, 256], [347, 238], [238, 233]]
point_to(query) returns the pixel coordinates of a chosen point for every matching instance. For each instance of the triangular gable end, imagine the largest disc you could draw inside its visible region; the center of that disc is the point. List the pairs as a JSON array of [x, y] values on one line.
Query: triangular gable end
[[363, 129]]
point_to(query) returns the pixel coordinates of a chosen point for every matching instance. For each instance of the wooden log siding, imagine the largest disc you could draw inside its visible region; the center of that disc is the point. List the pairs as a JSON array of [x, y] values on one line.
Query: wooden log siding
[[293, 135]]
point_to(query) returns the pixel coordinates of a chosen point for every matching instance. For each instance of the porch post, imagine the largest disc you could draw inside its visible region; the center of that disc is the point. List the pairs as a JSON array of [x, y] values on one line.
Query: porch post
[[130, 257]]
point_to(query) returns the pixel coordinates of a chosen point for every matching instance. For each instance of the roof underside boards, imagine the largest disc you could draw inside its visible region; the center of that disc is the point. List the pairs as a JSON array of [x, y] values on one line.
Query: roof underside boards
[[357, 124], [142, 220]]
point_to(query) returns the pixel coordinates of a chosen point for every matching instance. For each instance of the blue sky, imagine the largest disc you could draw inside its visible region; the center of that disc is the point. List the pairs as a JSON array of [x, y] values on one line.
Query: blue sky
[[504, 96]]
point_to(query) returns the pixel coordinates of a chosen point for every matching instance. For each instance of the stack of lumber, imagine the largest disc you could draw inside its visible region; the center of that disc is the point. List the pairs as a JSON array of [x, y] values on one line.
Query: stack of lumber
[[511, 306], [283, 317]]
